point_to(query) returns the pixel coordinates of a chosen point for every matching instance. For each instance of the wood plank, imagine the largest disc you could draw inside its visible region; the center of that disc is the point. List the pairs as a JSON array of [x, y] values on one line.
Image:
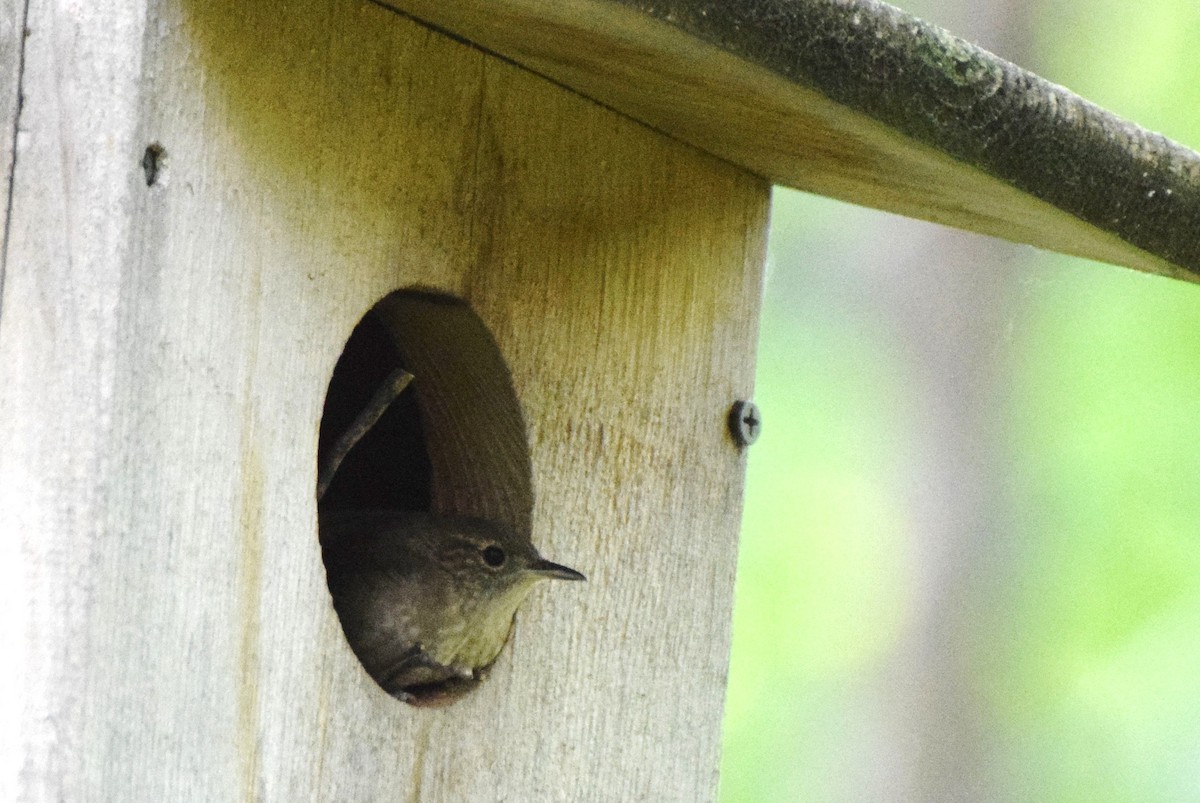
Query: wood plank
[[12, 41], [168, 348], [14, 620], [60, 343], [862, 102]]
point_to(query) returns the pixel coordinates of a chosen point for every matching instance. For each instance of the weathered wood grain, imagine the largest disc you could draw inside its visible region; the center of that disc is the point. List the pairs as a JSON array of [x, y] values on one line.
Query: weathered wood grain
[[166, 350], [12, 26], [862, 102], [14, 621]]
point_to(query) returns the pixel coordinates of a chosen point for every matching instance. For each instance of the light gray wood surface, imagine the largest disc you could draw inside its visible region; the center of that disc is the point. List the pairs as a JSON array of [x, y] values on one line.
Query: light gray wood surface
[[12, 23], [165, 354]]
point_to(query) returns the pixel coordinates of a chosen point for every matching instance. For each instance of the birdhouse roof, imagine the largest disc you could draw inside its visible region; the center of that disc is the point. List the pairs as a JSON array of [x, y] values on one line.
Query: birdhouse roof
[[863, 102]]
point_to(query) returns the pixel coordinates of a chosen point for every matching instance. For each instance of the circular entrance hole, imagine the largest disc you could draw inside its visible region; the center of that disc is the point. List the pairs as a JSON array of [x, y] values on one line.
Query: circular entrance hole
[[425, 522]]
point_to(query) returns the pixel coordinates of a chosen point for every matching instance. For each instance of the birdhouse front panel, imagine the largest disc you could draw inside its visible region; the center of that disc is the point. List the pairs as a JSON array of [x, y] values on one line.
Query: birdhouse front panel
[[208, 198]]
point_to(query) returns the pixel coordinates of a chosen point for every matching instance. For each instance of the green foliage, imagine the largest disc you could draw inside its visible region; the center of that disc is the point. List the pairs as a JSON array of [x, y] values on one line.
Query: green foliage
[[1141, 65], [823, 566], [1082, 631], [1096, 691]]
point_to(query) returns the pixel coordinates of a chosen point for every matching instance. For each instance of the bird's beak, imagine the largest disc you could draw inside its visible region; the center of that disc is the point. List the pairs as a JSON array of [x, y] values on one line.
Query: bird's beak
[[554, 571]]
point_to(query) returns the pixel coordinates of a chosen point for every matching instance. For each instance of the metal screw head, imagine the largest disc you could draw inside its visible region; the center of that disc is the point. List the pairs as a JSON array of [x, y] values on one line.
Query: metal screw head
[[745, 423]]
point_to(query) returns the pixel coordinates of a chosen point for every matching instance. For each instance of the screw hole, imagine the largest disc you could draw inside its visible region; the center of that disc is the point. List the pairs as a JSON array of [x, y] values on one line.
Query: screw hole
[[154, 163]]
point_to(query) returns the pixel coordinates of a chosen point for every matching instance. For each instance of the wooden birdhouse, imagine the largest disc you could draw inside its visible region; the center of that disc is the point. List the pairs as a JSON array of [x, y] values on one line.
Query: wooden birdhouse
[[227, 222]]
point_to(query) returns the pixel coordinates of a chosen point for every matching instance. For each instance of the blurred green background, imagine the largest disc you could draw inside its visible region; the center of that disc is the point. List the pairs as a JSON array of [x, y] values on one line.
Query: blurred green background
[[970, 560]]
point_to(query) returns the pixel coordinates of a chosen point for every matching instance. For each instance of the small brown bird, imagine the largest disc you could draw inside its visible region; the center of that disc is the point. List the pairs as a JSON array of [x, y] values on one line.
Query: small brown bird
[[427, 601]]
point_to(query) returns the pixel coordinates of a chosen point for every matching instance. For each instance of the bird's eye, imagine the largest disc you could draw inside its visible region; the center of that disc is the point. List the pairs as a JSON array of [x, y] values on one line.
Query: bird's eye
[[494, 556]]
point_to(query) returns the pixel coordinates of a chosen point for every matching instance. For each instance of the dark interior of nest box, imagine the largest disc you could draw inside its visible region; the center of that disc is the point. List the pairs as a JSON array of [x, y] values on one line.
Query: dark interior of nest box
[[454, 440], [389, 468]]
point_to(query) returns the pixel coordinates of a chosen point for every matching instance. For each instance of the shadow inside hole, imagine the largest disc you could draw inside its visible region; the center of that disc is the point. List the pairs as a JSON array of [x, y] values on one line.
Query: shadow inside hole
[[389, 468]]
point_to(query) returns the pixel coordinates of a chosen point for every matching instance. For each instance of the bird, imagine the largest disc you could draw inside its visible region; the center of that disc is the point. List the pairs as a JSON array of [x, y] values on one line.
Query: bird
[[427, 601]]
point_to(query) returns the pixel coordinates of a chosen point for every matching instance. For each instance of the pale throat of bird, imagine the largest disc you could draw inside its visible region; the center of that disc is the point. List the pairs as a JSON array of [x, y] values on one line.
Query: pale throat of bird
[[486, 630]]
